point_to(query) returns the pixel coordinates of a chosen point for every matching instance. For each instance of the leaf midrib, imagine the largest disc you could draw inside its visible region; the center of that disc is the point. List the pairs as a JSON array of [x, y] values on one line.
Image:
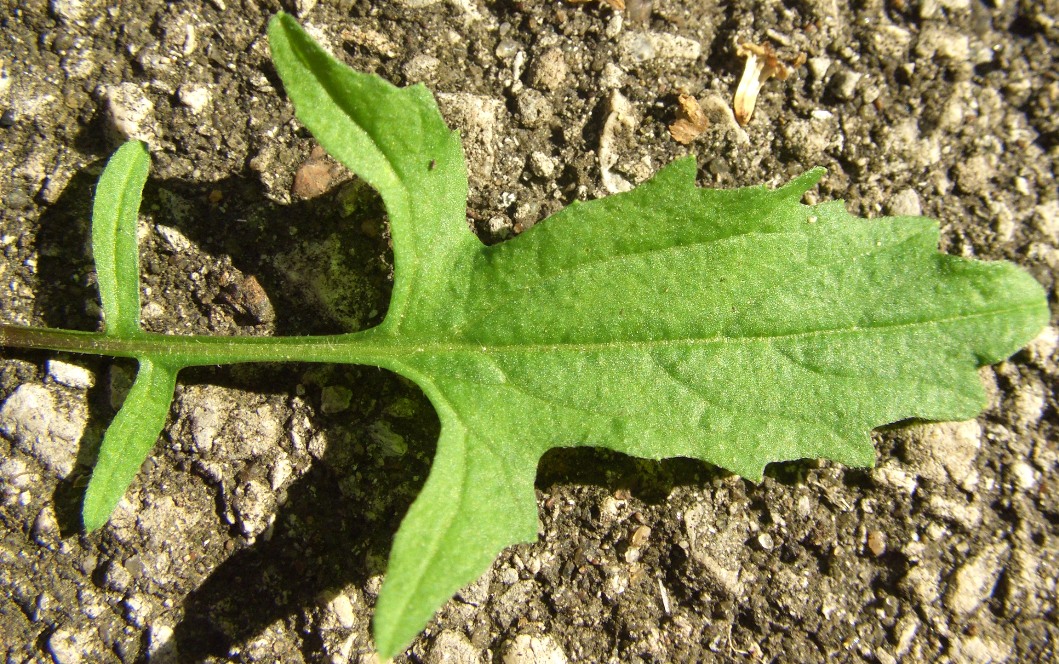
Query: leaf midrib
[[649, 344]]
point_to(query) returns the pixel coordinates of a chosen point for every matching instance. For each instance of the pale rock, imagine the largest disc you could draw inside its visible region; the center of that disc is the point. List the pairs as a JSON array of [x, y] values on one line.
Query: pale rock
[[130, 114], [942, 42], [70, 375], [542, 165], [946, 451], [452, 647], [973, 582], [15, 478], [548, 70], [1042, 349], [342, 608], [45, 429], [818, 67], [303, 7], [1031, 398], [161, 646], [1024, 475], [421, 67], [527, 649], [335, 398], [905, 203], [844, 84], [479, 119], [979, 650], [138, 610], [281, 472], [1046, 220], [639, 47], [67, 645], [46, 526], [72, 10], [923, 583], [904, 633], [194, 97], [255, 507], [613, 76], [968, 516]]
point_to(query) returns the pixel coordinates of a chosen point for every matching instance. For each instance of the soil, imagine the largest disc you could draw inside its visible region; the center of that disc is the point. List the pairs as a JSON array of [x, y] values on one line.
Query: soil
[[258, 530]]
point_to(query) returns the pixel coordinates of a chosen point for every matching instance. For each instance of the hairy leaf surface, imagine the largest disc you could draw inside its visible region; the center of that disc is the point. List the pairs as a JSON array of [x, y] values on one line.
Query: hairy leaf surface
[[114, 247], [738, 327]]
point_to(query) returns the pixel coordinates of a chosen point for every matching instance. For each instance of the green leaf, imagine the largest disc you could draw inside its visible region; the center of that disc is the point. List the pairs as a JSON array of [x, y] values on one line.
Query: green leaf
[[737, 327], [114, 246], [129, 440], [396, 140]]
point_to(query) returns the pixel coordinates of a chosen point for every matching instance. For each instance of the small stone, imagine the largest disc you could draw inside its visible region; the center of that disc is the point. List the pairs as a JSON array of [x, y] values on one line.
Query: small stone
[[978, 650], [130, 114], [138, 610], [877, 543], [942, 42], [844, 84], [922, 583], [533, 109], [973, 582], [161, 646], [452, 647], [548, 70], [818, 67], [69, 646], [390, 442], [1024, 475], [342, 607], [312, 179], [44, 429], [542, 165], [892, 476], [968, 516], [765, 542], [46, 526], [116, 577], [905, 203], [194, 97], [254, 505], [640, 47], [303, 7], [1031, 399], [420, 68], [946, 450], [526, 649], [281, 472], [613, 76], [973, 175], [481, 120], [70, 375]]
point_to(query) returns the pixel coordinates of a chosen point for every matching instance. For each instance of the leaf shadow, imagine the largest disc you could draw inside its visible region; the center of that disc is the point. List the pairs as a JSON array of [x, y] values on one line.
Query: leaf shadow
[[322, 540]]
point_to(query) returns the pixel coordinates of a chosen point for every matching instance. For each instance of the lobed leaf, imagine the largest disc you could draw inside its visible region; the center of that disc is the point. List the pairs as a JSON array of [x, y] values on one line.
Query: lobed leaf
[[737, 327], [114, 246]]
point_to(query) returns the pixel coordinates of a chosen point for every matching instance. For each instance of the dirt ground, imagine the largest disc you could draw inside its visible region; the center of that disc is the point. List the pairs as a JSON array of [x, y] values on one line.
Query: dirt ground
[[259, 528]]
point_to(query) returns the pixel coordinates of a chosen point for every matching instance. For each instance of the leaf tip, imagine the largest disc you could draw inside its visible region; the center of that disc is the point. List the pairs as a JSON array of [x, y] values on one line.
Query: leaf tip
[[804, 182]]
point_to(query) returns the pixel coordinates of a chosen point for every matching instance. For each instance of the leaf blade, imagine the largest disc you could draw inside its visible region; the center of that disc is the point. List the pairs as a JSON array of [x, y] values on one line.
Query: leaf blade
[[740, 328], [477, 500], [396, 140], [128, 440], [115, 249]]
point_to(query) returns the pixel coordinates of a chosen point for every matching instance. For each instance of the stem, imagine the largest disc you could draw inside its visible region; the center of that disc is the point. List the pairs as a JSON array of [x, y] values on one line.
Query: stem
[[367, 347]]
